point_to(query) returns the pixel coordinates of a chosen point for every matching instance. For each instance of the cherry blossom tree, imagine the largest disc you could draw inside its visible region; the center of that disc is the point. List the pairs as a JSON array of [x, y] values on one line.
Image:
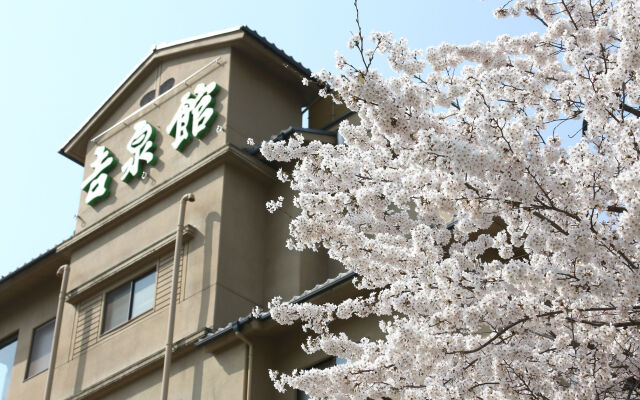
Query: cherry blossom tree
[[532, 289]]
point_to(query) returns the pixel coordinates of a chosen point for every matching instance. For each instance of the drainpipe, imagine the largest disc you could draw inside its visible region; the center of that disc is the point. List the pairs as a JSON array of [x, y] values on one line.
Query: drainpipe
[[174, 287], [248, 365], [64, 270]]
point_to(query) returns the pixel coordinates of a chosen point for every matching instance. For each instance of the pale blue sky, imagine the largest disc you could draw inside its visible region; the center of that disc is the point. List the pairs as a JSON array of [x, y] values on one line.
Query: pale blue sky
[[60, 60]]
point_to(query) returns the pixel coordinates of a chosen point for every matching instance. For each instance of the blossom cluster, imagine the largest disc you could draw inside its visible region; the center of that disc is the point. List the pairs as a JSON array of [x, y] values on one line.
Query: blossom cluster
[[532, 289]]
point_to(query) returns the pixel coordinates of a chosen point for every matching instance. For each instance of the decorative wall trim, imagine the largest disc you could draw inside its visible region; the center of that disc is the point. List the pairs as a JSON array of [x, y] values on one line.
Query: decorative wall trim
[[126, 267], [137, 369], [226, 154]]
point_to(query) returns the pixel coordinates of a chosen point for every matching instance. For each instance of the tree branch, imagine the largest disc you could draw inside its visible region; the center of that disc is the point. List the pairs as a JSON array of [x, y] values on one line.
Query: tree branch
[[556, 226], [630, 110]]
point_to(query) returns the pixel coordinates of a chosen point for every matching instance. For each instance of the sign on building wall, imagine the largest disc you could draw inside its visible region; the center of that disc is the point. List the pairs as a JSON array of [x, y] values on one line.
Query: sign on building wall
[[98, 182], [194, 116], [193, 119], [141, 147]]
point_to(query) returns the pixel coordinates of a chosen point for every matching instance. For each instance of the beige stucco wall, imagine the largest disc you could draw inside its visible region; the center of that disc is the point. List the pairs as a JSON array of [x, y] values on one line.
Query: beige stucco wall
[[252, 102], [22, 316], [235, 260], [225, 263], [144, 336], [240, 275], [323, 111], [170, 161], [260, 104], [198, 376], [279, 348], [289, 273]]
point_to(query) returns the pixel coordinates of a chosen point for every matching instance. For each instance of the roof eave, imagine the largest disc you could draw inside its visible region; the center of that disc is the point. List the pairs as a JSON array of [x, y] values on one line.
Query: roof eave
[[66, 149], [305, 296]]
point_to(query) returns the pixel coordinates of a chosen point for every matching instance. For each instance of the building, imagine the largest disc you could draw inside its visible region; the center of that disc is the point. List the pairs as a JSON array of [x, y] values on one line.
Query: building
[[178, 124]]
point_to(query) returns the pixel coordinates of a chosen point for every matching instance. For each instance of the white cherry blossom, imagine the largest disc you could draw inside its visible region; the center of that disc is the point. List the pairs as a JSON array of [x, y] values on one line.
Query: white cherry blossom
[[532, 291]]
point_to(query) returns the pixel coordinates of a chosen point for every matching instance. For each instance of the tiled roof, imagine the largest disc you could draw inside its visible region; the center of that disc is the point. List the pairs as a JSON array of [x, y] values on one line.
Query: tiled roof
[[301, 298], [32, 262]]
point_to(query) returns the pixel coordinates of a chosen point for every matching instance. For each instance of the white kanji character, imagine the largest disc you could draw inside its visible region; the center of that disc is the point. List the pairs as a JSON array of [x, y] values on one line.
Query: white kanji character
[[142, 147], [195, 115], [179, 126], [203, 112], [98, 182]]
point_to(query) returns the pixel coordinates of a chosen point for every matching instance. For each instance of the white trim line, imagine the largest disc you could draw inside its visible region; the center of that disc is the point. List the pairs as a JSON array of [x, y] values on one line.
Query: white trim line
[[144, 60], [154, 48], [163, 46], [156, 102]]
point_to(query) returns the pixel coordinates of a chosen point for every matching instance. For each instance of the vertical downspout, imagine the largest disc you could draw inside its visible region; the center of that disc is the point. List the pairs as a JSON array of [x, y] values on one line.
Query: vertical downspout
[[174, 287], [248, 361], [56, 330]]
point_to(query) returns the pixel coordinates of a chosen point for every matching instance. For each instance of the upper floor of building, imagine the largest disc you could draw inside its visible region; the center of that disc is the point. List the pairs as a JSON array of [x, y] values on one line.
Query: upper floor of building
[[179, 123]]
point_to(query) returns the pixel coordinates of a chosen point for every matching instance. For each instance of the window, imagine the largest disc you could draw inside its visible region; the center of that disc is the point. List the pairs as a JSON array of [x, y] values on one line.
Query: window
[[166, 85], [40, 349], [147, 97], [7, 354], [128, 301]]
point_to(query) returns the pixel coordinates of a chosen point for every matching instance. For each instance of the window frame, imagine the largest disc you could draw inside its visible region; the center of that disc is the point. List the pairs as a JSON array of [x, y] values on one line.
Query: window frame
[[33, 335], [131, 283], [7, 341]]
